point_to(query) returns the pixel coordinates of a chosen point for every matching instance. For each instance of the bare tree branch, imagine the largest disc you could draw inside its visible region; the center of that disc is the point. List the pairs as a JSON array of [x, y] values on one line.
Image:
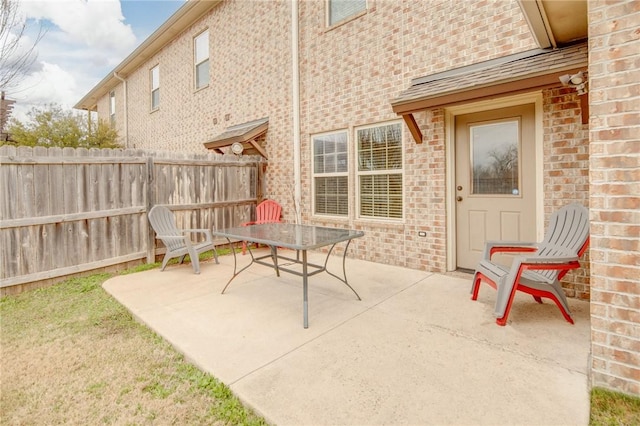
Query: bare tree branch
[[15, 58]]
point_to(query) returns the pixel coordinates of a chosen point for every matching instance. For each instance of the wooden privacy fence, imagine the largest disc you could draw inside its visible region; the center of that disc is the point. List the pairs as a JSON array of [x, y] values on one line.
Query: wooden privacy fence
[[64, 211]]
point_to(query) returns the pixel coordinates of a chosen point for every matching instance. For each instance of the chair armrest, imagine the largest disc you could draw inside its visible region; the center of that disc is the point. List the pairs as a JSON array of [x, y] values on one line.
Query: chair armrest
[[170, 237], [492, 247], [547, 260], [248, 223]]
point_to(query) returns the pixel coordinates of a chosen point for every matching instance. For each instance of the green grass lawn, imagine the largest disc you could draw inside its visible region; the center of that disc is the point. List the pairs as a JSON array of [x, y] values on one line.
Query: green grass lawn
[[610, 408], [71, 354]]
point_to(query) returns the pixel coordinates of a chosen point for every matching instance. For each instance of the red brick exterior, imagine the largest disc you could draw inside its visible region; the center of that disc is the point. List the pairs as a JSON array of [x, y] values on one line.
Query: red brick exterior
[[566, 167], [250, 73], [614, 49], [352, 71]]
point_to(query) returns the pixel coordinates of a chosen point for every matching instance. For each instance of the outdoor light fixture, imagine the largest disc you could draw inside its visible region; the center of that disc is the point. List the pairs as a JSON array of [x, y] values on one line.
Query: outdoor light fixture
[[237, 148], [577, 81]]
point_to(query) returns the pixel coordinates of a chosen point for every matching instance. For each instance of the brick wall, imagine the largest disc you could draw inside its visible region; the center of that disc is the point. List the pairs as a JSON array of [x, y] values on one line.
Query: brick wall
[[104, 107], [614, 52], [250, 74], [351, 72], [566, 168]]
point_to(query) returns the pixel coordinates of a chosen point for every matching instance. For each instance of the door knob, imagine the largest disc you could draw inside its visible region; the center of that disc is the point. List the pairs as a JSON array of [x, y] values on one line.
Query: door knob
[[458, 198]]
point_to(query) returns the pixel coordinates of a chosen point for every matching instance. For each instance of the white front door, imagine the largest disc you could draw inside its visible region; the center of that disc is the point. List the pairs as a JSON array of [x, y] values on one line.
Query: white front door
[[495, 179]]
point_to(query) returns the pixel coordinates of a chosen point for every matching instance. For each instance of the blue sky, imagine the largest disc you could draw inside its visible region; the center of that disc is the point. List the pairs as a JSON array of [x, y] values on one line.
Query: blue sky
[[84, 41], [145, 16]]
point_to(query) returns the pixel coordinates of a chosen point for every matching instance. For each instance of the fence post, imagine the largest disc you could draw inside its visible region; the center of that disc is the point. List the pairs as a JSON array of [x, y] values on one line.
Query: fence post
[[150, 201]]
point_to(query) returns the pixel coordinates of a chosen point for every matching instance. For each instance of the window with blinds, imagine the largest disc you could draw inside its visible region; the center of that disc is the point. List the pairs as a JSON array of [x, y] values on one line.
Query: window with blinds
[[380, 171], [330, 174], [339, 10]]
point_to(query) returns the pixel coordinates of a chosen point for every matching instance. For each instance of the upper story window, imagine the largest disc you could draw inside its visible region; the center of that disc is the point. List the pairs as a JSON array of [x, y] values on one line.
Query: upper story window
[[380, 171], [112, 108], [201, 59], [155, 87], [339, 10], [330, 174]]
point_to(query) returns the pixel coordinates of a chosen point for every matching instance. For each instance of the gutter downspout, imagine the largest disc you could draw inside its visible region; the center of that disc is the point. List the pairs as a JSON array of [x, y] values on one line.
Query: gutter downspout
[[296, 110], [126, 112]]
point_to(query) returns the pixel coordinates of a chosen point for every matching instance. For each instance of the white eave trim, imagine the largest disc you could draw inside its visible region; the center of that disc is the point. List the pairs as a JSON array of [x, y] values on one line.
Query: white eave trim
[[538, 23]]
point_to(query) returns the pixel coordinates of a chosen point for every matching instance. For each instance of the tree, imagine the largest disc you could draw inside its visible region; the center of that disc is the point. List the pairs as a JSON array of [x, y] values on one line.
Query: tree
[[15, 58], [498, 173], [52, 126], [505, 161]]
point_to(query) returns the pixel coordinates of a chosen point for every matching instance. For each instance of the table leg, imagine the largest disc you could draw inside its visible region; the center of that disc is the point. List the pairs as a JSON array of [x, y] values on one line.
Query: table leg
[[305, 293], [344, 268], [235, 264], [274, 257]]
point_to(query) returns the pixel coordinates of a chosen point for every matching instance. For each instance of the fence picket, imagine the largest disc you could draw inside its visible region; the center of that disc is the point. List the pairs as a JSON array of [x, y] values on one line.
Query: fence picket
[[69, 210], [41, 189]]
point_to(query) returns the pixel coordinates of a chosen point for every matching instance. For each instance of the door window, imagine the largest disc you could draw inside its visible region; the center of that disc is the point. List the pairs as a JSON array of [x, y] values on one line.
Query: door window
[[495, 157]]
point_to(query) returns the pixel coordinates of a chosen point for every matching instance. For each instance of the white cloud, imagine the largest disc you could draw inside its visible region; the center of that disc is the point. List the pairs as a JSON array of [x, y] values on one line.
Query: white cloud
[[38, 89], [98, 24], [84, 40]]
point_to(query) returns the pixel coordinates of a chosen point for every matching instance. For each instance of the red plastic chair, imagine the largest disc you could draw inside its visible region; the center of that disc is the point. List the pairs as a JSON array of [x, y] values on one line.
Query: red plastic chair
[[268, 211]]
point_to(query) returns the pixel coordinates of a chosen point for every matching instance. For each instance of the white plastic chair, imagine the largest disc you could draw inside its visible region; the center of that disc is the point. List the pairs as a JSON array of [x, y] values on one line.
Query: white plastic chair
[[178, 241]]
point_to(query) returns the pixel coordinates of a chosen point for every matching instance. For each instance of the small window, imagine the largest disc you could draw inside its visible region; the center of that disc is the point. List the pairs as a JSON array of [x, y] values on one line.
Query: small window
[[330, 174], [201, 55], [380, 171], [495, 152], [339, 10], [155, 87], [112, 108]]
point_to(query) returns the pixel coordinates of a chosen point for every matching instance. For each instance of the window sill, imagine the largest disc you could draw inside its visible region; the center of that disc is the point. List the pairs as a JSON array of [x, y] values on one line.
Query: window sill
[[349, 19], [199, 89], [380, 223], [330, 219]]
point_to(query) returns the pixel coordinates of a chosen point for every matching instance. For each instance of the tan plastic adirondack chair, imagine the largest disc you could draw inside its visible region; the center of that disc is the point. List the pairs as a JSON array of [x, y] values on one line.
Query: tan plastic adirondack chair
[[268, 211], [538, 272], [178, 241]]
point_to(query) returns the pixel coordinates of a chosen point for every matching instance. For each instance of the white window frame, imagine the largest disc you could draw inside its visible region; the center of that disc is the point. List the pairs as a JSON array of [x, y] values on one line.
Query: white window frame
[[112, 108], [154, 77], [200, 58], [346, 15], [330, 174], [360, 173]]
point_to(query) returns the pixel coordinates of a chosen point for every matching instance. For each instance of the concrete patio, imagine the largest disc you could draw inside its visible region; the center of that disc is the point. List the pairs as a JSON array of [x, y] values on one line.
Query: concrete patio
[[415, 351]]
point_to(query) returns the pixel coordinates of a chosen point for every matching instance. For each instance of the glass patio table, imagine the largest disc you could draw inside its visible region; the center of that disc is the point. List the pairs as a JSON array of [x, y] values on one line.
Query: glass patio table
[[296, 237]]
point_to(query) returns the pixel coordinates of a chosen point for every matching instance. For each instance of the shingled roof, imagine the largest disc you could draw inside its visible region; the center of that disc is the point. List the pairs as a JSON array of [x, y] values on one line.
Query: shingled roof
[[248, 134], [523, 71]]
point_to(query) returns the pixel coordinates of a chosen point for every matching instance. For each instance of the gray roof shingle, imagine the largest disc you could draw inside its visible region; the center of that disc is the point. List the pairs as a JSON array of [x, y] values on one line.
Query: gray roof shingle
[[494, 72]]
